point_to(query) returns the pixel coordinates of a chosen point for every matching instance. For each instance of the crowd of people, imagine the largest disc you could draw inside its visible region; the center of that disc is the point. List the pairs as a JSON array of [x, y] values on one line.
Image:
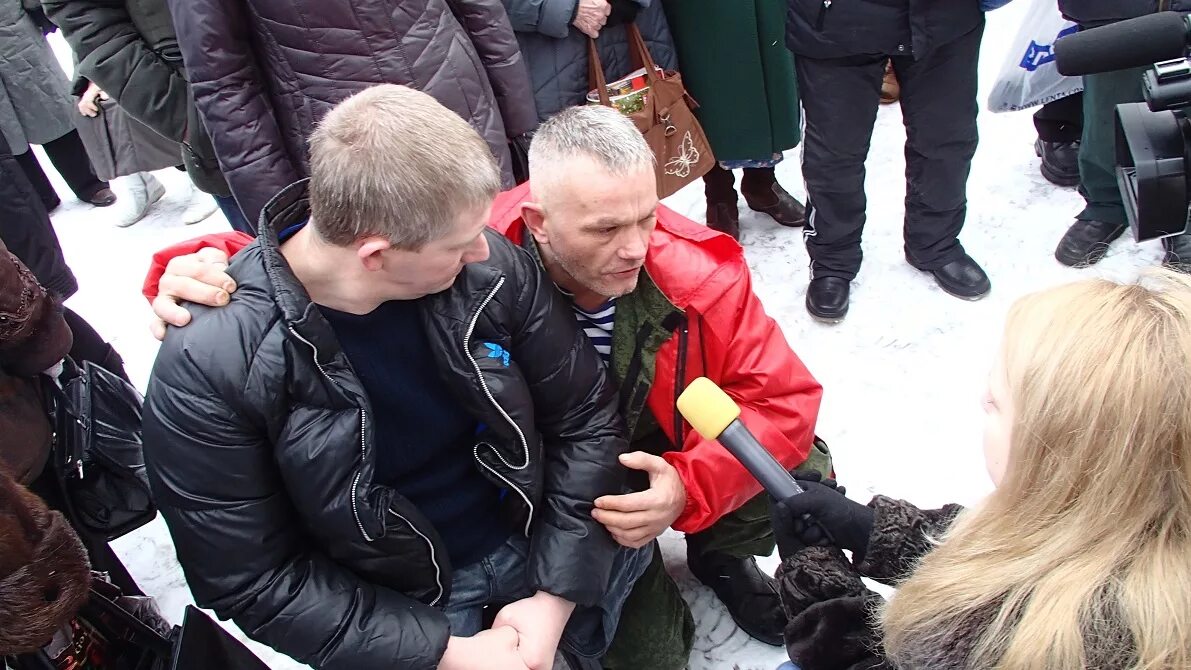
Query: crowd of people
[[419, 408]]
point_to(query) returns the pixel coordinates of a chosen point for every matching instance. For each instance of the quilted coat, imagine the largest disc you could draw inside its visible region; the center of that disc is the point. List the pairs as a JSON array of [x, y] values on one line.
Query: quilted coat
[[556, 52], [265, 71], [35, 104]]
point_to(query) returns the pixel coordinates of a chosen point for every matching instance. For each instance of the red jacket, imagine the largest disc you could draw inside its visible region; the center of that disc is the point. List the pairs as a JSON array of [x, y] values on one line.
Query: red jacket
[[704, 273], [732, 342]]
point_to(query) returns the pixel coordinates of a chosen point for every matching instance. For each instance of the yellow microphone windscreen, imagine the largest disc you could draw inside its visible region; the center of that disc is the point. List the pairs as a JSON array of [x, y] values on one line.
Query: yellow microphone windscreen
[[708, 409]]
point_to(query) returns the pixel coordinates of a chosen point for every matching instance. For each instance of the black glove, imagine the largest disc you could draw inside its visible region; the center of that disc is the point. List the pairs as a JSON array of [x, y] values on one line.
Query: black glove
[[43, 23], [819, 516], [623, 11]]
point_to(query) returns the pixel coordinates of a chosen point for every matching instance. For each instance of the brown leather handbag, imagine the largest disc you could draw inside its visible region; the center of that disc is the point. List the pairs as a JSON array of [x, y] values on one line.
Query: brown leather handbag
[[679, 146]]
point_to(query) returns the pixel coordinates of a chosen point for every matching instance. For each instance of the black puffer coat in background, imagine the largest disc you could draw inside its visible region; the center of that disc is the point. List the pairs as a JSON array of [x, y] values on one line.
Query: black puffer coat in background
[[261, 455], [835, 29], [265, 71]]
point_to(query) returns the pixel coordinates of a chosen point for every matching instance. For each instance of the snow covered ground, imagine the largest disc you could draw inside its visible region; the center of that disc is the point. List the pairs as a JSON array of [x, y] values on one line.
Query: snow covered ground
[[903, 374]]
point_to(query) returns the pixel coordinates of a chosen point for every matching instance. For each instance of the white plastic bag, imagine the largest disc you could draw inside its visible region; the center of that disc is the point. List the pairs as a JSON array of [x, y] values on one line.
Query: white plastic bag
[[1029, 78]]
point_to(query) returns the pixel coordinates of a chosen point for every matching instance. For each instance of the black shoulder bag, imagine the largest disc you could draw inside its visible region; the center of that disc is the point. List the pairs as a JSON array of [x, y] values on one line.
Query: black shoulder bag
[[97, 455]]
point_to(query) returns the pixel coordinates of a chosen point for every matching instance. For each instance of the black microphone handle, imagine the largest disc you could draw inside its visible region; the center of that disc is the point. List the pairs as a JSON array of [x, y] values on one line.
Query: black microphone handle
[[777, 481]]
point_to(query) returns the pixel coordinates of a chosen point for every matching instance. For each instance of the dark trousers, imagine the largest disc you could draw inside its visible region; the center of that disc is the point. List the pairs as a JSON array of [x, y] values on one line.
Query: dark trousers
[[235, 217], [656, 628], [938, 100], [1061, 120], [1097, 151], [71, 161]]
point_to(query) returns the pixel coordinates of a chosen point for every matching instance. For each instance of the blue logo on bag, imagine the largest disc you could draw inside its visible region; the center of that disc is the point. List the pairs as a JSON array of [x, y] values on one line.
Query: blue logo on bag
[[1038, 55], [498, 352]]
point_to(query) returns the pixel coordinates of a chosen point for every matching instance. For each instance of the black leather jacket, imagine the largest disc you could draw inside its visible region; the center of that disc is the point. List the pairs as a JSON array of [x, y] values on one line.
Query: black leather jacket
[[259, 445]]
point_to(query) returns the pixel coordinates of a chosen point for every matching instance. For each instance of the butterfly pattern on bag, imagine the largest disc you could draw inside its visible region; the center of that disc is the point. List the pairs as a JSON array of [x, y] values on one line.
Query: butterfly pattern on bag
[[688, 156]]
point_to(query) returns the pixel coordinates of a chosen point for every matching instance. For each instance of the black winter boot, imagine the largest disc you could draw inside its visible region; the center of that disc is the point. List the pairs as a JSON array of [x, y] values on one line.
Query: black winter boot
[[749, 594], [722, 213]]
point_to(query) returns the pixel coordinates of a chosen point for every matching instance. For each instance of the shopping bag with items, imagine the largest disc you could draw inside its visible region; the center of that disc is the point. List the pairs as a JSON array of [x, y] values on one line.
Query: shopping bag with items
[[1029, 77], [660, 107]]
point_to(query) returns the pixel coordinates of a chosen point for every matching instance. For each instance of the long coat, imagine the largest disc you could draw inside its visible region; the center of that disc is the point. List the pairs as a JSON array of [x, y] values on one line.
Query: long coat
[[35, 104], [735, 63]]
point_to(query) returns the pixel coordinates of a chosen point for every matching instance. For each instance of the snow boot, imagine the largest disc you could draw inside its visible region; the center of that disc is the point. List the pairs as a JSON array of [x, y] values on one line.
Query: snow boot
[[140, 191], [749, 594]]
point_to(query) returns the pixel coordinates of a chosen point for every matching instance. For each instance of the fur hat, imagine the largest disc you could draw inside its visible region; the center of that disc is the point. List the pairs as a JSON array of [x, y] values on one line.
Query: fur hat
[[44, 571], [33, 334]]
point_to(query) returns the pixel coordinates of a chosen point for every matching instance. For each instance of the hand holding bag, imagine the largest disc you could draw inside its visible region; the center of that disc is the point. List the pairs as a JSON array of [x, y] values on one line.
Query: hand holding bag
[[679, 146]]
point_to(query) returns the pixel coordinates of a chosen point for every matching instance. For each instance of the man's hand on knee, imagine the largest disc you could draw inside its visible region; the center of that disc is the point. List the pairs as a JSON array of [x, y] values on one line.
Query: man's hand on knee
[[635, 519], [199, 278], [539, 621]]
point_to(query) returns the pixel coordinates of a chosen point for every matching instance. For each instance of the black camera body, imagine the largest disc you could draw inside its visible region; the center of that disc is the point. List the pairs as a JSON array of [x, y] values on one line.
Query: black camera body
[[1153, 138], [1153, 147]]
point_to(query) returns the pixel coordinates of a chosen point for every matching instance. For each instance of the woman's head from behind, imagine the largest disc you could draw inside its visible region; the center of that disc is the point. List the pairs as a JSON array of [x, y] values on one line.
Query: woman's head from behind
[[1087, 535]]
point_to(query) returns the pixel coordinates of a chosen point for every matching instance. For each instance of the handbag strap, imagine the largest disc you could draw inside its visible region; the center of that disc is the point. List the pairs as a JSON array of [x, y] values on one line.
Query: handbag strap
[[595, 73]]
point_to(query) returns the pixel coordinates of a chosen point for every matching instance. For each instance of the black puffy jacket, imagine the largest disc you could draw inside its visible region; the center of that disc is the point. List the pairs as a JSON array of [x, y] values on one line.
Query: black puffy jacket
[[1093, 13], [839, 28], [260, 453]]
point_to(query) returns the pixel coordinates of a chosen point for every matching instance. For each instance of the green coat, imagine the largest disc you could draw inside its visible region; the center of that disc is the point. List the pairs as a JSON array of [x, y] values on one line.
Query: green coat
[[733, 58]]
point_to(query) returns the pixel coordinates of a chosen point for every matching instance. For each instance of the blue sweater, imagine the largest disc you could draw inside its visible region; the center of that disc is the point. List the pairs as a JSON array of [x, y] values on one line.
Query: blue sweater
[[422, 437]]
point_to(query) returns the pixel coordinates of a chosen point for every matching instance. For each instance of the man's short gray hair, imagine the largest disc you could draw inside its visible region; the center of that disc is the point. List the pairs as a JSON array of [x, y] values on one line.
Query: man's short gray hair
[[391, 161], [598, 132]]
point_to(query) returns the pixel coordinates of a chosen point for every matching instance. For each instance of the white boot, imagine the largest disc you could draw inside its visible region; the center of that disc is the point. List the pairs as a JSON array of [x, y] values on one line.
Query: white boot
[[201, 206], [137, 192]]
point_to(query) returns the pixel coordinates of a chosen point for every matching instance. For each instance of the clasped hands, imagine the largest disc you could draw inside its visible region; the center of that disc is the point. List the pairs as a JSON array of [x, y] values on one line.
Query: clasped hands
[[524, 636]]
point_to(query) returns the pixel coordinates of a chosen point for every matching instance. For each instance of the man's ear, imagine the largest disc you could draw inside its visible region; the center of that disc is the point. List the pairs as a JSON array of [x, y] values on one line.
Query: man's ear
[[370, 249], [534, 216]]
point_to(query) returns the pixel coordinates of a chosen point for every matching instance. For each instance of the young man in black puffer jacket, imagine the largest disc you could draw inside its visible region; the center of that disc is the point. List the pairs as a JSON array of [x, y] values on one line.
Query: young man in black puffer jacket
[[395, 422]]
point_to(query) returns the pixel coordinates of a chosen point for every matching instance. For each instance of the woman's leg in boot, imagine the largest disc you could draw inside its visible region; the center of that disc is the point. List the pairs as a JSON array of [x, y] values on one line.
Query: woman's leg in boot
[[722, 215], [763, 194], [39, 180], [70, 159]]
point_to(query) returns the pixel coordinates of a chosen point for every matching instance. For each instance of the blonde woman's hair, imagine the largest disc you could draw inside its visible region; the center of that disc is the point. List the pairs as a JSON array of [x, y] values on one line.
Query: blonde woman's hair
[[1082, 556], [393, 162]]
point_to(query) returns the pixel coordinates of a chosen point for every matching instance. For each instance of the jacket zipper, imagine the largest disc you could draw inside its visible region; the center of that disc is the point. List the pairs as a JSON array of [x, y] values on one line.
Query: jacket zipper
[[679, 383], [822, 14], [471, 326], [363, 443], [475, 451], [433, 556]]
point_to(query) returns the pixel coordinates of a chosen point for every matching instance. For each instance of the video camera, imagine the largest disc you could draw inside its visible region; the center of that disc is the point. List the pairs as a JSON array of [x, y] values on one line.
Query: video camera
[[1153, 138]]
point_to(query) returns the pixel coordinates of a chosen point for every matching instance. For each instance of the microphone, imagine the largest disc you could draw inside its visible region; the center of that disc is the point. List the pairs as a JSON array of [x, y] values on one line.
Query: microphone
[[1137, 42], [715, 416]]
